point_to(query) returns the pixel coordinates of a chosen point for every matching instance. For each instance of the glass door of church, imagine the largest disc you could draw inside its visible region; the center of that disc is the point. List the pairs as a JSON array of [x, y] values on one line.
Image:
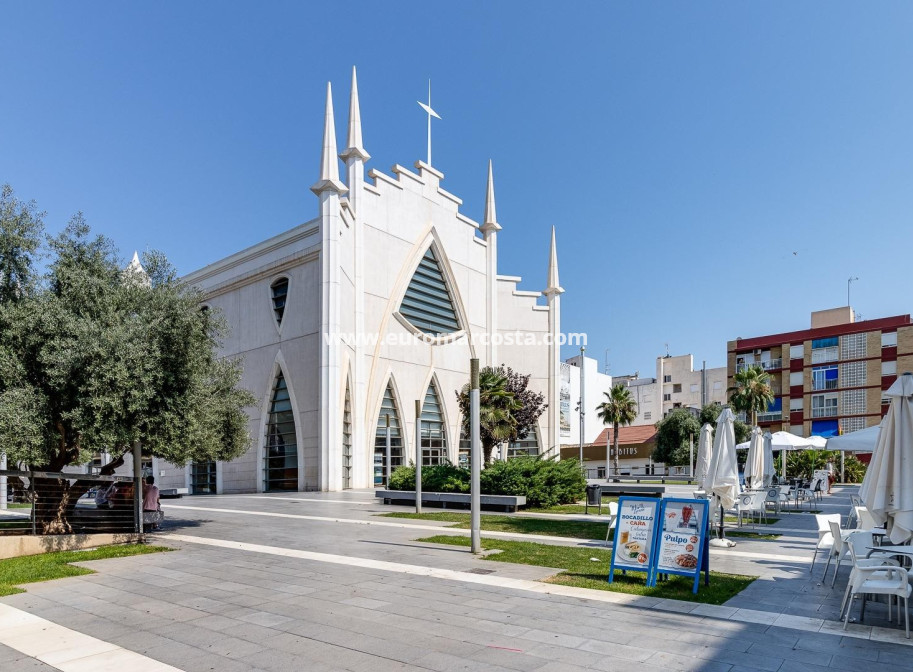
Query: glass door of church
[[203, 478]]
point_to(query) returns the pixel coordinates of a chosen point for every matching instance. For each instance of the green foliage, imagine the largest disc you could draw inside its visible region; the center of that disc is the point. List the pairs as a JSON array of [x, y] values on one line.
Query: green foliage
[[673, 434], [47, 566], [583, 572], [853, 469], [545, 483], [95, 358], [508, 409], [711, 412], [803, 463], [21, 228], [752, 392]]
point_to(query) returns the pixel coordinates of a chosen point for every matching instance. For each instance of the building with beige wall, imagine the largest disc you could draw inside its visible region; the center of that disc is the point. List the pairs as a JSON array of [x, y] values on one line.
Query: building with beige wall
[[828, 379]]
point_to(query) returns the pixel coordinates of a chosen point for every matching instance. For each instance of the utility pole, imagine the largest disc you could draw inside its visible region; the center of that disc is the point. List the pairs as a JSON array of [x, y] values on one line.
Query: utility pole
[[475, 459], [418, 456]]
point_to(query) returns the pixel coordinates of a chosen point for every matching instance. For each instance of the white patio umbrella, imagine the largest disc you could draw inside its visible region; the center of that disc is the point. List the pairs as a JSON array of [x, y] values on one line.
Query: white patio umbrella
[[704, 452], [723, 474], [769, 470], [784, 441], [754, 464], [860, 441], [887, 489]]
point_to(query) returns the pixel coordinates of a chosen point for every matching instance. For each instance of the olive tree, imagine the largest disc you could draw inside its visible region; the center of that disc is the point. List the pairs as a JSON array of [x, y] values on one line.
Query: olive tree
[[94, 358]]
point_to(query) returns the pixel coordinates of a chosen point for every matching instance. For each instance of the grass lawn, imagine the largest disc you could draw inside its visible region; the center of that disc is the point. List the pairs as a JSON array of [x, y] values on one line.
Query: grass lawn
[[18, 505], [517, 524], [768, 521], [32, 568], [574, 508], [752, 535], [581, 571]]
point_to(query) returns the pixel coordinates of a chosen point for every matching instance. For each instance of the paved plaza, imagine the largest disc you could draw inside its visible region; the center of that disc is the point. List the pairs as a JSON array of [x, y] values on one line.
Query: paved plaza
[[316, 581]]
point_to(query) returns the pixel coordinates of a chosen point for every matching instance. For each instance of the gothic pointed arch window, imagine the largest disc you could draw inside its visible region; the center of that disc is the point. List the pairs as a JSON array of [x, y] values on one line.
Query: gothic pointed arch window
[[279, 292], [389, 410], [347, 441], [428, 302], [280, 458], [433, 431]]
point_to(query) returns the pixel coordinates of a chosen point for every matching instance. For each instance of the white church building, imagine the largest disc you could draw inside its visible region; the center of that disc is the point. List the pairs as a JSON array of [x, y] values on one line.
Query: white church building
[[376, 303]]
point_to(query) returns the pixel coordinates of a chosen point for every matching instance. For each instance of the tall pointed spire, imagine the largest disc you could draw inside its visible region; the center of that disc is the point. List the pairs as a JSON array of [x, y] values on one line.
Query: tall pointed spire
[[329, 168], [553, 285], [354, 148], [491, 217]]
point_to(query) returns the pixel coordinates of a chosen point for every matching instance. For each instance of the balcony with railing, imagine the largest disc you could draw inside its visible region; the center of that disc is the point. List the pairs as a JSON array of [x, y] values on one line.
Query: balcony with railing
[[824, 411], [824, 384], [770, 417], [767, 365], [822, 355]]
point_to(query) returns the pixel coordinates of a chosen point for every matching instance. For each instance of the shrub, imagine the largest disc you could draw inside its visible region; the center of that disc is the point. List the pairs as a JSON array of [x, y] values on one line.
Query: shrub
[[437, 478], [543, 482]]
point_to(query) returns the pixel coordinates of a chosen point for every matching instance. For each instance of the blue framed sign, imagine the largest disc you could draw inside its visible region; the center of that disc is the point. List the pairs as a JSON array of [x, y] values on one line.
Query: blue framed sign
[[682, 544], [635, 535]]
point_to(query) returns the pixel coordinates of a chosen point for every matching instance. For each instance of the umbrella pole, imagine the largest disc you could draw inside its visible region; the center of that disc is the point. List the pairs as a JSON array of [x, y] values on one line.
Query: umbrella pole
[[722, 514]]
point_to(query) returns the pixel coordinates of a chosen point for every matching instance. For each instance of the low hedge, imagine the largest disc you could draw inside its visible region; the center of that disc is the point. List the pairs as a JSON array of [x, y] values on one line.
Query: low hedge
[[543, 482]]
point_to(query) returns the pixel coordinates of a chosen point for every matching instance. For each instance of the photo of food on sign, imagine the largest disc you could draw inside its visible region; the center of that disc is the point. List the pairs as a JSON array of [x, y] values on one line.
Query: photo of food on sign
[[634, 534], [680, 538]]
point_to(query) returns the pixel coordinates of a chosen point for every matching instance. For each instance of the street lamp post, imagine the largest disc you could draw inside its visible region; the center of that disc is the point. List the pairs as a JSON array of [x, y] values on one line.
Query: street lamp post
[[582, 399]]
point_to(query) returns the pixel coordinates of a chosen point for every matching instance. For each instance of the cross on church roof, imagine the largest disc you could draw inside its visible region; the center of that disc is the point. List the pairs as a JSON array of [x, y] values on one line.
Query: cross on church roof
[[431, 113]]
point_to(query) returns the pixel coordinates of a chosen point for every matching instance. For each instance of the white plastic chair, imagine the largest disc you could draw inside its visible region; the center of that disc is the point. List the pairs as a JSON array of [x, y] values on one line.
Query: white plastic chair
[[825, 538], [861, 541], [613, 518], [838, 550], [864, 519], [879, 580]]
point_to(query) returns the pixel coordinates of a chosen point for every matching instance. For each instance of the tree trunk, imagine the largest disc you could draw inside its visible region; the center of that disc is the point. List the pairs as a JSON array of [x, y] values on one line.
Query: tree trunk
[[55, 500], [487, 447], [615, 445]]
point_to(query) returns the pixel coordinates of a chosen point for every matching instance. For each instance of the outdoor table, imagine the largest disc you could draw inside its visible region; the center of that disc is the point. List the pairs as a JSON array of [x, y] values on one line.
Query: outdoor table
[[905, 551]]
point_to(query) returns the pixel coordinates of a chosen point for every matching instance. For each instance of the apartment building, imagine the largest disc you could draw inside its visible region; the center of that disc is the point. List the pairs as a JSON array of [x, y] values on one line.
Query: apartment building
[[829, 379]]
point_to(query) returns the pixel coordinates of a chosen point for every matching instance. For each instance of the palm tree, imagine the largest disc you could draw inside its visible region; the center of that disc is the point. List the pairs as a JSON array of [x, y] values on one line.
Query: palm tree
[[618, 409], [496, 407], [752, 391]]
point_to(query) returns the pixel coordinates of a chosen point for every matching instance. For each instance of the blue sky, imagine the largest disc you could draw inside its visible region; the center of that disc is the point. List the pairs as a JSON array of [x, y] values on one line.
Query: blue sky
[[713, 169]]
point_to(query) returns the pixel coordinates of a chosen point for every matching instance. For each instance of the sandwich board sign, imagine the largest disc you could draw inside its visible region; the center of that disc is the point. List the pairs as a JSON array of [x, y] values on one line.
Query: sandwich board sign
[[682, 542], [635, 535]]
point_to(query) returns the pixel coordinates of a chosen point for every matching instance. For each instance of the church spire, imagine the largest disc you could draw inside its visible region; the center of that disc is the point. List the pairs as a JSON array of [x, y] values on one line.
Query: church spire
[[491, 218], [329, 168], [554, 287], [354, 148]]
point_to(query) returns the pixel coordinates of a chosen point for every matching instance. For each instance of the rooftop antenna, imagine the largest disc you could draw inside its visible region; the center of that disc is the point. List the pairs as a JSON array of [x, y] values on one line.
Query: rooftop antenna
[[849, 282], [431, 113], [667, 350], [607, 361]]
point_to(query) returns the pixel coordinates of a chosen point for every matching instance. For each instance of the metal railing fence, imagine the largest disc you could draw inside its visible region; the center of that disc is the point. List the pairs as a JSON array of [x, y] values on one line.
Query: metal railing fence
[[48, 503]]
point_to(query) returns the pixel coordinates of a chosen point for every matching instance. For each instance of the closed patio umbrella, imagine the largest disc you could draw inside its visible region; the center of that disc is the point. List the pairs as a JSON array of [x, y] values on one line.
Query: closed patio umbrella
[[754, 464], [769, 471], [887, 489], [704, 452], [723, 475]]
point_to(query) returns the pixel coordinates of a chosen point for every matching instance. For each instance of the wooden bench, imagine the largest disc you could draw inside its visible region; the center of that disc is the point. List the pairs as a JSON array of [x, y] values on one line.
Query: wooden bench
[[635, 490], [461, 500]]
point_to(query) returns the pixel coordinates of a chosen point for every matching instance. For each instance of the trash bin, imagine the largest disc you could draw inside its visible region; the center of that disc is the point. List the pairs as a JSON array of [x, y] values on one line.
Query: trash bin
[[593, 497]]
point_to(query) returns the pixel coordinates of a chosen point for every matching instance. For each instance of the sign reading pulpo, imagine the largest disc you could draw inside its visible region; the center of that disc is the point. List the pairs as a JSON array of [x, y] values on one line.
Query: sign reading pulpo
[[682, 542], [635, 535]]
